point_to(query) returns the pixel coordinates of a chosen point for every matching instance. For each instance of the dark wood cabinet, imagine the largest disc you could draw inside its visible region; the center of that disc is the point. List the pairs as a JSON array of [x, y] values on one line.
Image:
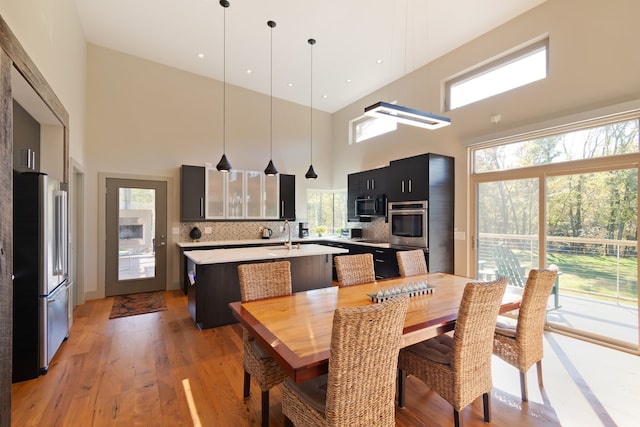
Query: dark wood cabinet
[[217, 285], [429, 177], [384, 259], [385, 263], [366, 184], [192, 188], [288, 197], [26, 140]]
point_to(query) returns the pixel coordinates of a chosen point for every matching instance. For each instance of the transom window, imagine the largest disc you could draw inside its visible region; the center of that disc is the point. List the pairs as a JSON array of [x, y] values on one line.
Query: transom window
[[600, 141], [517, 69], [365, 127]]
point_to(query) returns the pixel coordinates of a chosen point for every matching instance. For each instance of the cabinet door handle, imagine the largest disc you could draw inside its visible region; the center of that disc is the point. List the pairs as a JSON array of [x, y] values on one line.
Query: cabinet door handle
[[33, 160], [373, 184], [403, 186], [409, 186], [202, 207], [282, 209], [367, 184]]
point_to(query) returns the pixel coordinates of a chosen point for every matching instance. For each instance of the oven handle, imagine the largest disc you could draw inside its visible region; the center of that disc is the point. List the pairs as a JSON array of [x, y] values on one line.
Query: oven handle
[[407, 211]]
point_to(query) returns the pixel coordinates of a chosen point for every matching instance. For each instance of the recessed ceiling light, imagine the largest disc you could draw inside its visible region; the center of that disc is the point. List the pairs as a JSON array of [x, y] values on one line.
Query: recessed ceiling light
[[379, 61], [325, 96], [201, 55], [348, 81], [249, 71], [290, 84]]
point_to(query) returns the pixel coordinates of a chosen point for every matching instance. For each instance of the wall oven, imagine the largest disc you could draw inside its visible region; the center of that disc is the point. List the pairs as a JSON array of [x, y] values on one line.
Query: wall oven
[[408, 224]]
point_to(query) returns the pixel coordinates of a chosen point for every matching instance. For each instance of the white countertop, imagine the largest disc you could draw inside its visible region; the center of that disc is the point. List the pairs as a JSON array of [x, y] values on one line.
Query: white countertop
[[305, 240], [221, 256]]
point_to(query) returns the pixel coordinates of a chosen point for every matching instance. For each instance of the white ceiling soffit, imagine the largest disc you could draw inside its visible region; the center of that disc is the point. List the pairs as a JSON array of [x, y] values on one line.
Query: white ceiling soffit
[[351, 36]]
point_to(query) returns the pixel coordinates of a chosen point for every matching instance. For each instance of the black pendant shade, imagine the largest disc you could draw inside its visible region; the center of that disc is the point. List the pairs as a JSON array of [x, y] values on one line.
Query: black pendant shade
[[311, 174], [223, 165], [270, 169]]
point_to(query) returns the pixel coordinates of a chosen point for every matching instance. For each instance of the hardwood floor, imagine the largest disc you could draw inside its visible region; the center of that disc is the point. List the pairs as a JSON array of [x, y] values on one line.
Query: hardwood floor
[[159, 369]]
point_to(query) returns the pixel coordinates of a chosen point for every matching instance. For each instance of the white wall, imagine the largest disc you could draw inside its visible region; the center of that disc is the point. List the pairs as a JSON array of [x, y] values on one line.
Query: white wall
[[593, 63], [147, 119]]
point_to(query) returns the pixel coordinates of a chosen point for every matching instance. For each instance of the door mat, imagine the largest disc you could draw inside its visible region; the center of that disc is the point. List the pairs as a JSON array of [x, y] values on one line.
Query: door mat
[[130, 305]]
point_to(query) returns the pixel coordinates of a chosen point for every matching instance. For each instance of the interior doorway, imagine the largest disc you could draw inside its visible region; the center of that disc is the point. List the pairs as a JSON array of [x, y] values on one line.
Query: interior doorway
[[136, 241]]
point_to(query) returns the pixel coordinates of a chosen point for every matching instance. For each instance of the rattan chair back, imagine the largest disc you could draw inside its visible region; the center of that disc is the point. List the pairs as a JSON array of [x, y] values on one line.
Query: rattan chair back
[[412, 262], [360, 385], [264, 280], [257, 281], [355, 269], [526, 347]]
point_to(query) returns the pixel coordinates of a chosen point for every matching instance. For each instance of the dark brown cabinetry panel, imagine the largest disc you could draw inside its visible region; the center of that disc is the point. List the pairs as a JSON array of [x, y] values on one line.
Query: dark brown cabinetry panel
[[192, 188], [26, 140], [288, 197]]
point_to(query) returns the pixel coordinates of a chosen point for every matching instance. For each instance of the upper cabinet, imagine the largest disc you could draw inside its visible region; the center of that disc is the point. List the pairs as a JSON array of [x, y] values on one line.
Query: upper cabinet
[[413, 178], [192, 190], [26, 140], [369, 184], [207, 194], [288, 197]]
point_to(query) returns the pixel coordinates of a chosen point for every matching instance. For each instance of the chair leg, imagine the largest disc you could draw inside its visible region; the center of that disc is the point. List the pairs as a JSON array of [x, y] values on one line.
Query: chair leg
[[456, 418], [247, 385], [265, 408], [523, 386], [539, 367], [401, 381], [486, 404]]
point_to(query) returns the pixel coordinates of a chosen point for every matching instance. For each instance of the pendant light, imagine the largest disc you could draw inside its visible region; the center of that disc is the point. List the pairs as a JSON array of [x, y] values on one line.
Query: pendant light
[[402, 114], [224, 165], [271, 169], [311, 174]]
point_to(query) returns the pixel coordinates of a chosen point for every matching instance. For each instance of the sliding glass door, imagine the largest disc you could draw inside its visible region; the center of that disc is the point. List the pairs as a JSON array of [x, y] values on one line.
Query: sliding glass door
[[567, 201]]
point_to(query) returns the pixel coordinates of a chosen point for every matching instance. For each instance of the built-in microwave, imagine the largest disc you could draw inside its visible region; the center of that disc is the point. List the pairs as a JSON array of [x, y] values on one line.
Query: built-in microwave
[[408, 224], [371, 206]]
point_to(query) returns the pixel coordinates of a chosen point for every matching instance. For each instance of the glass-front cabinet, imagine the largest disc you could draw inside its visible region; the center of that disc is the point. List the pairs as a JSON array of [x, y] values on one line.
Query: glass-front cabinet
[[271, 196], [253, 193], [241, 195], [215, 190], [235, 194]]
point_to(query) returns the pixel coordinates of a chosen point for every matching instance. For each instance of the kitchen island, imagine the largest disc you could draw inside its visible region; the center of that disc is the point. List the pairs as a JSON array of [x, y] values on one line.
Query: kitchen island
[[214, 283]]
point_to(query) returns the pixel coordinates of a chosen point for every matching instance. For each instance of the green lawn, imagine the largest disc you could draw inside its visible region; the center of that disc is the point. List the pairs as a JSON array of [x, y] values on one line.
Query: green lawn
[[597, 273]]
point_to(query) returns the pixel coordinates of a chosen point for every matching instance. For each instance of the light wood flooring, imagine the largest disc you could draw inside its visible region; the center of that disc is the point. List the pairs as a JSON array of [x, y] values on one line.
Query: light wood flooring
[[158, 369]]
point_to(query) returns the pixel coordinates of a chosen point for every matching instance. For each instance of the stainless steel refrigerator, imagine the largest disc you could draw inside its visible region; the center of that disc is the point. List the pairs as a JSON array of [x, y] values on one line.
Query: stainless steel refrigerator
[[40, 269]]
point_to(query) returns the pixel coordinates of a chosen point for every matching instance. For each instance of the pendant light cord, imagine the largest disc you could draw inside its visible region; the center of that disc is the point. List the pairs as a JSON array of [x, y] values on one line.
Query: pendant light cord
[[224, 80], [271, 25], [311, 42]]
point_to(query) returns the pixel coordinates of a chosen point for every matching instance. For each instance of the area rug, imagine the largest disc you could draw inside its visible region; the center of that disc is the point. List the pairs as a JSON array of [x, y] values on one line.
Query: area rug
[[130, 305]]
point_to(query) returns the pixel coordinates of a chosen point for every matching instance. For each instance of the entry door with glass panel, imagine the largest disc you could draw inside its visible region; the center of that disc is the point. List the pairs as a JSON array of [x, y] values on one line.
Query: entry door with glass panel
[[136, 227]]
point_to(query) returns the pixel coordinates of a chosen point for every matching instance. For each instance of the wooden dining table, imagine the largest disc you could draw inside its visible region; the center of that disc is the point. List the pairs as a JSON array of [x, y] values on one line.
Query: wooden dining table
[[296, 329]]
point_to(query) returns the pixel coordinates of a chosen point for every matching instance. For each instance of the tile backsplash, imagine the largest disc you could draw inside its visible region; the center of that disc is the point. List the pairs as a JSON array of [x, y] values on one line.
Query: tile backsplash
[[249, 230]]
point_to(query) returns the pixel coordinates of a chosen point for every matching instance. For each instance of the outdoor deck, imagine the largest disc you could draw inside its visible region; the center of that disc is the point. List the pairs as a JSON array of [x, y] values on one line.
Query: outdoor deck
[[616, 322]]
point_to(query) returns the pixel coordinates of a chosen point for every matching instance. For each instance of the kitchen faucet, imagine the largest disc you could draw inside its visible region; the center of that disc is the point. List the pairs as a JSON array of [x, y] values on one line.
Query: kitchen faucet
[[288, 226]]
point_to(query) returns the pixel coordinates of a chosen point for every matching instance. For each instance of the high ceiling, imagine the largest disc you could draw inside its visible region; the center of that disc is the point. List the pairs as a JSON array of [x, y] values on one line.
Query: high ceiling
[[352, 36]]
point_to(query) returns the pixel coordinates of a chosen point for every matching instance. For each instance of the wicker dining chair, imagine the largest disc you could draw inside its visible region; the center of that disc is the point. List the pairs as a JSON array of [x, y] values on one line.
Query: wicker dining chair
[[257, 281], [520, 344], [355, 269], [458, 367], [412, 262], [359, 389]]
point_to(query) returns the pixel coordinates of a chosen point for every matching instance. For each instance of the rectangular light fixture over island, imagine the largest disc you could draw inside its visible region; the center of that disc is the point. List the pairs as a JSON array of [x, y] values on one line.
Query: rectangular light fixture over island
[[406, 115]]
